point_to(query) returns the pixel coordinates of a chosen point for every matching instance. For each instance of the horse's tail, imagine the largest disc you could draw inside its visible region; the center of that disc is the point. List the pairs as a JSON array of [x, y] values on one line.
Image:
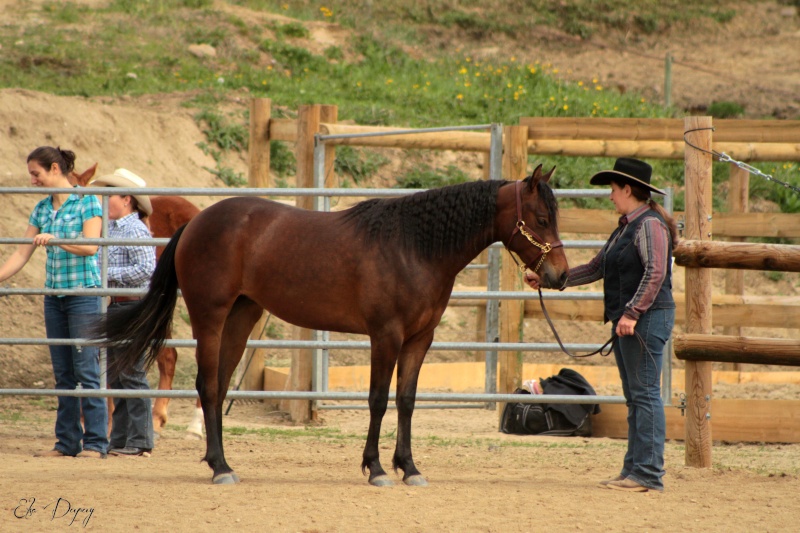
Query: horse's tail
[[143, 328]]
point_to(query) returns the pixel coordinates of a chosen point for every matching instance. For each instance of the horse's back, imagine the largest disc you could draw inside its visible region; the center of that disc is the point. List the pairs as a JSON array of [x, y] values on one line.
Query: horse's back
[[308, 268]]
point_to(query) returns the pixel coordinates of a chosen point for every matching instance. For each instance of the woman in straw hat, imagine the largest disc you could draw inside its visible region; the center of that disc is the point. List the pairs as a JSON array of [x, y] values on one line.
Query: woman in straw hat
[[636, 267], [129, 267], [67, 215]]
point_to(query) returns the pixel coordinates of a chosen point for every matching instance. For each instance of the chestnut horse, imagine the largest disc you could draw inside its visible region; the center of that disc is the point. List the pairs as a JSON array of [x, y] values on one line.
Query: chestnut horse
[[383, 268], [169, 214]]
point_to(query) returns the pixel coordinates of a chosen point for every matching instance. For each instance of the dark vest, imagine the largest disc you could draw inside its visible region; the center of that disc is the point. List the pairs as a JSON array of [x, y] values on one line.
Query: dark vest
[[623, 271]]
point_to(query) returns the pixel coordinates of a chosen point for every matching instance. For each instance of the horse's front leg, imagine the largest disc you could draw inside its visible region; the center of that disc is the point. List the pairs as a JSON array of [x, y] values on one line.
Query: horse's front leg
[[409, 364], [383, 359]]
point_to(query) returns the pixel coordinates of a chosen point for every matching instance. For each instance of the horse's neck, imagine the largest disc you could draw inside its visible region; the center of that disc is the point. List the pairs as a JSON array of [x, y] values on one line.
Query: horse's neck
[[468, 253]]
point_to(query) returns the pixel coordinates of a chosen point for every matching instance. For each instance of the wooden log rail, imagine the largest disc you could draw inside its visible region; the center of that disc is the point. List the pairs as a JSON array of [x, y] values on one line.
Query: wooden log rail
[[604, 221], [660, 138], [777, 140], [728, 310], [659, 129], [738, 255], [734, 349]]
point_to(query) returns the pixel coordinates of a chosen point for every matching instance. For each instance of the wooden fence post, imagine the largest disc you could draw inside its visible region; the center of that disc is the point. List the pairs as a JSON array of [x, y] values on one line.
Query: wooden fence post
[[697, 169], [258, 176], [515, 165], [738, 196], [308, 121], [329, 114]]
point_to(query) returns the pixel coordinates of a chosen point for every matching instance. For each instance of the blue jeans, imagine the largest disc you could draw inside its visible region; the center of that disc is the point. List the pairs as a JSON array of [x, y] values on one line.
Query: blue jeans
[[640, 370], [68, 317], [132, 419]]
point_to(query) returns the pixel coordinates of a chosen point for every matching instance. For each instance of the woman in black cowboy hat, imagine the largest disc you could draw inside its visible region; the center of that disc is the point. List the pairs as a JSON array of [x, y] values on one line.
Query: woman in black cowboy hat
[[636, 267]]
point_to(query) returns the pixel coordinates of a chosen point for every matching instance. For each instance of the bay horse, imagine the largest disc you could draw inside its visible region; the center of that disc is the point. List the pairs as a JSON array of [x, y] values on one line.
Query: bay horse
[[384, 268], [169, 214]]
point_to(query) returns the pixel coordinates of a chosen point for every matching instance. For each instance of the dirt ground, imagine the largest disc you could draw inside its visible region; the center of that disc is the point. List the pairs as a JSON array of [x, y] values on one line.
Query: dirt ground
[[480, 480]]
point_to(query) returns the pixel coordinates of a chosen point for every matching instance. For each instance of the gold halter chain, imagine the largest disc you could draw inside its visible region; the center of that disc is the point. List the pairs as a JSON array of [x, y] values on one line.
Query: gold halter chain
[[544, 247], [534, 239]]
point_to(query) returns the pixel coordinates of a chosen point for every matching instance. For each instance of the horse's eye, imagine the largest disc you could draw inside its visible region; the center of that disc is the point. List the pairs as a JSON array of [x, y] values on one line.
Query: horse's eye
[[543, 222]]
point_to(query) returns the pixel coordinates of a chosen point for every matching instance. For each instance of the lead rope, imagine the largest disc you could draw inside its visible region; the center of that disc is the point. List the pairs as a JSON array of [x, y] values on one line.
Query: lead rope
[[609, 343]]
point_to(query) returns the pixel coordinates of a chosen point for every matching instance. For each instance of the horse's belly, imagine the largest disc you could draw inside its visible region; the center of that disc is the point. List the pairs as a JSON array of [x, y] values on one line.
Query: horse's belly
[[317, 312]]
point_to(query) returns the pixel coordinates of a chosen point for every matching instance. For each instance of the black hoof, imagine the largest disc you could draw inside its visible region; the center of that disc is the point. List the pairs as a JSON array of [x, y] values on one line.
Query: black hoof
[[416, 481], [381, 481]]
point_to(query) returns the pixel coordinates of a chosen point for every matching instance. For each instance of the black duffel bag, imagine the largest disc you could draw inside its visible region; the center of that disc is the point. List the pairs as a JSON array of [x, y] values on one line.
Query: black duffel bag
[[553, 418]]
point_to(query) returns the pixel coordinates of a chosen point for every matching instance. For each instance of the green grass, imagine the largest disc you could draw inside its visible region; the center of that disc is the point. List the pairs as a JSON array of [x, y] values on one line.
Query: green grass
[[479, 19], [137, 47]]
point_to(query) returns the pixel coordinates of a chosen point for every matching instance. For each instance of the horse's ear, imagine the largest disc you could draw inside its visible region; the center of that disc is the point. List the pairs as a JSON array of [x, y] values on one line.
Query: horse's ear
[[83, 178], [534, 178], [546, 177]]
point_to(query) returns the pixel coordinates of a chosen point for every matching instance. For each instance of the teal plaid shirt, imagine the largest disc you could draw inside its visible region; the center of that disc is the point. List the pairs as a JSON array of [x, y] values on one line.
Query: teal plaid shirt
[[65, 270]]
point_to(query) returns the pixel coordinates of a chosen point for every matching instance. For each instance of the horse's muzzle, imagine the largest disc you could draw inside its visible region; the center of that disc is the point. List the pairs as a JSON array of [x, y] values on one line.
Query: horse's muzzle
[[551, 280]]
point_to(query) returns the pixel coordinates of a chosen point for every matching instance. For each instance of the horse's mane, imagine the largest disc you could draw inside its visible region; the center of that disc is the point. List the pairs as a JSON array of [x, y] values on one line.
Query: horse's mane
[[436, 222]]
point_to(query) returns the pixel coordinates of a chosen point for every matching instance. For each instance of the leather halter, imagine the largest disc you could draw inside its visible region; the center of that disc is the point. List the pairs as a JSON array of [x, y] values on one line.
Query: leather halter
[[532, 236]]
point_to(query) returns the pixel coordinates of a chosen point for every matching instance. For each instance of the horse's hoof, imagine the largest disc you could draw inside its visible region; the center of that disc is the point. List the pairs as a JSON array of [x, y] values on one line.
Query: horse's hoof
[[193, 436], [196, 432], [225, 479], [381, 481], [416, 481]]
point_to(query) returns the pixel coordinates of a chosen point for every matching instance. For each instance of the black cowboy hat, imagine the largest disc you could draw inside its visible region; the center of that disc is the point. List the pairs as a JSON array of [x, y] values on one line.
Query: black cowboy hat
[[627, 170]]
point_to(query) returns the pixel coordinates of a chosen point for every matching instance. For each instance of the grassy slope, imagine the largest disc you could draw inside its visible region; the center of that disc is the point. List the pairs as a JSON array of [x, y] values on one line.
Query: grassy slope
[[377, 75]]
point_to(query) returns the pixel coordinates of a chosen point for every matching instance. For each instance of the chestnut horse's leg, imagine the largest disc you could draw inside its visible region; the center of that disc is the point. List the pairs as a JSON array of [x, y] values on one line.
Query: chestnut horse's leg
[[166, 360], [384, 356], [216, 363], [408, 367], [195, 427]]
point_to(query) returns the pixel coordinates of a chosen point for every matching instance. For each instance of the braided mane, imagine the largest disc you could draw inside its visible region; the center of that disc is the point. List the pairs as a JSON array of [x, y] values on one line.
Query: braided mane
[[437, 222]]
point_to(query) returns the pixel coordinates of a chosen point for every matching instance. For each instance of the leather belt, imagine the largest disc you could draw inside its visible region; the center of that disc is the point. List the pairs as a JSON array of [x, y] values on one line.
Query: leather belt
[[120, 299]]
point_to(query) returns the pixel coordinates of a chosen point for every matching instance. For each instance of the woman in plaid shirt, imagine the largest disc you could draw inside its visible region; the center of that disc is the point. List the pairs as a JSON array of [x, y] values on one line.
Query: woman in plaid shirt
[[129, 267], [636, 268], [68, 266]]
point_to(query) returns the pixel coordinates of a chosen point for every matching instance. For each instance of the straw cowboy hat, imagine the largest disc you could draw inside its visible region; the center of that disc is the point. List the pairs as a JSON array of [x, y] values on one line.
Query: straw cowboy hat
[[627, 170], [125, 178]]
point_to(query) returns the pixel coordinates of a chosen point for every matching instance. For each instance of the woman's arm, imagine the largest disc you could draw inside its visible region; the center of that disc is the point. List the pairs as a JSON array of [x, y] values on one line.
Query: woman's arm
[[652, 243], [91, 230], [20, 257], [579, 275]]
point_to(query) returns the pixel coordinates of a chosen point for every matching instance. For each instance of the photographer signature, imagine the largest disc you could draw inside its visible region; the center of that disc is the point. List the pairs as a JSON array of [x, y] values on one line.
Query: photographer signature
[[60, 509]]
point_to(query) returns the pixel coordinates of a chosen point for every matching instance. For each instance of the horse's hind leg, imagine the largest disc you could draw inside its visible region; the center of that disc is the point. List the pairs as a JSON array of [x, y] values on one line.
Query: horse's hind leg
[[408, 367], [166, 360], [214, 376], [384, 357]]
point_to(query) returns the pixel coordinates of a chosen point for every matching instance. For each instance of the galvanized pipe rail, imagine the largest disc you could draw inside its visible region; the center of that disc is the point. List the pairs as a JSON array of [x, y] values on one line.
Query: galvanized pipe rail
[[311, 395], [492, 347]]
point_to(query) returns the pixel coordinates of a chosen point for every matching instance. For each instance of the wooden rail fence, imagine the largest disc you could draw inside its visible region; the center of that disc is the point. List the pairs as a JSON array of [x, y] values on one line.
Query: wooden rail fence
[[746, 140]]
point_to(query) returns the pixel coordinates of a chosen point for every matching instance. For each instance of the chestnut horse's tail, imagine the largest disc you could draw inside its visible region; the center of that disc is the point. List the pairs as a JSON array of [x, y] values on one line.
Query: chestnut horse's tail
[[142, 328]]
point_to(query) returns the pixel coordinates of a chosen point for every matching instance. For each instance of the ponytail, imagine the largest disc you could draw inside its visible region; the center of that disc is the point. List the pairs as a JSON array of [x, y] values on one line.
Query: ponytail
[[671, 224]]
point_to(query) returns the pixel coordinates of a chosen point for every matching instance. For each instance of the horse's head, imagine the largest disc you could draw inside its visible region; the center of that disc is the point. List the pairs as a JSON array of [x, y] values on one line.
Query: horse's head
[[83, 178], [534, 237]]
